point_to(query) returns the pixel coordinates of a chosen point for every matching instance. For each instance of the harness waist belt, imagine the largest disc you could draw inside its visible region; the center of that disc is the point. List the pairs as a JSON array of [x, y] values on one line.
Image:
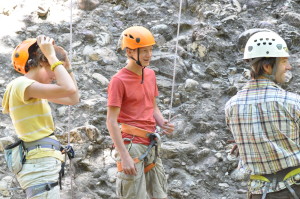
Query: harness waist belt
[[42, 143], [132, 130], [37, 189], [280, 175]]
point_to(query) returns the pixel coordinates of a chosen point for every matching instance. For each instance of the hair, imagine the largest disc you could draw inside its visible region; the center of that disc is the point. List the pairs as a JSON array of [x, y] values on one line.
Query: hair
[[257, 68], [36, 56]]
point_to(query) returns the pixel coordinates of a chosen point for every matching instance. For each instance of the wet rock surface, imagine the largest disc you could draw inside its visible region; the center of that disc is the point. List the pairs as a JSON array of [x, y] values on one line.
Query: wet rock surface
[[209, 71]]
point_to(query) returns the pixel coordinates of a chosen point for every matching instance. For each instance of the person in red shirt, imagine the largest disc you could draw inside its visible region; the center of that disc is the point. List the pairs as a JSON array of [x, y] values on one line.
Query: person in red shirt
[[131, 102]]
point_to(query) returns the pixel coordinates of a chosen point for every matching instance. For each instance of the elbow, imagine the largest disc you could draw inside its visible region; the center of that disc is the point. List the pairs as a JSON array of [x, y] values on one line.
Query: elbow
[[73, 95], [74, 102], [71, 90], [110, 122]]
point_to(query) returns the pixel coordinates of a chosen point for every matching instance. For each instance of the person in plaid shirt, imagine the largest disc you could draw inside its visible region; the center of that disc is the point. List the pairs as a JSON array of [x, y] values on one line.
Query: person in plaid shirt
[[265, 121]]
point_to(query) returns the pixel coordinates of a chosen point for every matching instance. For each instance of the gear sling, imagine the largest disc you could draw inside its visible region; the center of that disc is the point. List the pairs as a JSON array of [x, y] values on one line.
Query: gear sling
[[135, 131]]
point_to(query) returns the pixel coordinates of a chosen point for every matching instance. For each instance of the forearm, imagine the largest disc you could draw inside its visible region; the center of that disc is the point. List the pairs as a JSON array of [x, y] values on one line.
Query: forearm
[[64, 80], [158, 116], [115, 133], [75, 97]]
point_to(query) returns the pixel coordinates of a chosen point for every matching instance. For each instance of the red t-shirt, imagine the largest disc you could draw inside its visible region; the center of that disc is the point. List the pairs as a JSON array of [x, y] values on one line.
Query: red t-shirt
[[136, 100]]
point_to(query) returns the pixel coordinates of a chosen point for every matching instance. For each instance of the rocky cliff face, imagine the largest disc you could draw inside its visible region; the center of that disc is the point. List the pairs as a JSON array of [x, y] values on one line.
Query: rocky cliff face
[[209, 71]]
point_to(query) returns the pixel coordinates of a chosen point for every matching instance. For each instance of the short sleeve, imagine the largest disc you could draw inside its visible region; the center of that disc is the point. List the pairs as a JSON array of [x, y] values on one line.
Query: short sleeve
[[115, 92], [20, 87], [15, 91]]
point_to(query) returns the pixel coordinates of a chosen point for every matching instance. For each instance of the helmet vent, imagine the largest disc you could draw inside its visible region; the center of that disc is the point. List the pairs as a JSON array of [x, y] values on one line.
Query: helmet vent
[[279, 46], [255, 40], [261, 39], [131, 36], [137, 40], [273, 39], [264, 43], [267, 52], [258, 44], [17, 55], [270, 43], [250, 48]]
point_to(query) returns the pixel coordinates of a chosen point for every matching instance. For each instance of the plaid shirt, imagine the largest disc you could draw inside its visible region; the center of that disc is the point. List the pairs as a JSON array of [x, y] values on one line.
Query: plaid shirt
[[265, 122]]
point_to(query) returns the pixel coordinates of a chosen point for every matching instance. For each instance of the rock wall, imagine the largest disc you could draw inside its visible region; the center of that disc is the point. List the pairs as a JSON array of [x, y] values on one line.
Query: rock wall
[[209, 71]]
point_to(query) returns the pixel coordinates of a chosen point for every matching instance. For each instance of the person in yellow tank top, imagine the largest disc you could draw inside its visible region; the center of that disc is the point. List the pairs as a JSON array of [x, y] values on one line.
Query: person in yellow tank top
[[26, 101]]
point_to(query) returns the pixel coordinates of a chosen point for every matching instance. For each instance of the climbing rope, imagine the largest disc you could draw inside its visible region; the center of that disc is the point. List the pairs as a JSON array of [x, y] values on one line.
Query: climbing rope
[[175, 62], [69, 107]]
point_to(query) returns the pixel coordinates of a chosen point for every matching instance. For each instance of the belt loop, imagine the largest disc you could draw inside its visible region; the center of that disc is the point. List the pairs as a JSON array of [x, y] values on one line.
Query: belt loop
[[274, 182]]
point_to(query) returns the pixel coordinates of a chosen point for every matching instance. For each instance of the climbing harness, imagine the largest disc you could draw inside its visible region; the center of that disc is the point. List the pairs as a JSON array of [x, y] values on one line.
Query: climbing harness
[[37, 189], [175, 61], [283, 176], [46, 142], [135, 131], [154, 139]]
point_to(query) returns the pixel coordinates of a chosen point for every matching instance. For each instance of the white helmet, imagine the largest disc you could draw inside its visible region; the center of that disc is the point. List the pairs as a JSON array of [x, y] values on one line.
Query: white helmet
[[265, 44]]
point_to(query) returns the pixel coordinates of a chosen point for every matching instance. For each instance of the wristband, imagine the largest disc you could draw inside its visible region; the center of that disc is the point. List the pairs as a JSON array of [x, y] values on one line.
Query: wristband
[[53, 66]]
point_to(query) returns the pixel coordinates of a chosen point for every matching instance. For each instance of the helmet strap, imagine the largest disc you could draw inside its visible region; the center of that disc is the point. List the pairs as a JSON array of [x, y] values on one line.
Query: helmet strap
[[142, 75], [253, 61], [138, 62]]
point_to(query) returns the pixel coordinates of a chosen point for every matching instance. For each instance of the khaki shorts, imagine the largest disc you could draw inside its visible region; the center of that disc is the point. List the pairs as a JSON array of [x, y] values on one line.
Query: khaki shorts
[[153, 182], [40, 171]]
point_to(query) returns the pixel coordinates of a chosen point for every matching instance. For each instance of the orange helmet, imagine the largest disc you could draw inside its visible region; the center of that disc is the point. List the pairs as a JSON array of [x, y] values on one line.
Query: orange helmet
[[136, 37], [20, 55]]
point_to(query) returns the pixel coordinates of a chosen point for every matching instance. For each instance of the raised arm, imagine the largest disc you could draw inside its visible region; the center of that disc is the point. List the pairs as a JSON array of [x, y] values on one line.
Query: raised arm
[[65, 90]]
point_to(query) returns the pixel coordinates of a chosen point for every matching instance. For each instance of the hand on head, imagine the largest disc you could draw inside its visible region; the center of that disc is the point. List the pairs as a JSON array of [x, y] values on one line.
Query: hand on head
[[46, 45]]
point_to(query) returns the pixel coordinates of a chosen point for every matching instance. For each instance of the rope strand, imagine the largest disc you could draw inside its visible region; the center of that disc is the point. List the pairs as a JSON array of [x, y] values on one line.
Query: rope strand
[[69, 107], [175, 62]]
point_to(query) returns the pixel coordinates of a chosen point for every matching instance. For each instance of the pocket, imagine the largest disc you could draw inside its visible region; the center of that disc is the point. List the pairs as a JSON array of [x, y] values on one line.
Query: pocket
[[162, 178], [126, 187]]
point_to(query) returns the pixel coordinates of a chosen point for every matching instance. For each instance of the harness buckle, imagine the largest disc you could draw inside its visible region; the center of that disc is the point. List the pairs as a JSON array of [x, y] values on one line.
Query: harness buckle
[[48, 187]]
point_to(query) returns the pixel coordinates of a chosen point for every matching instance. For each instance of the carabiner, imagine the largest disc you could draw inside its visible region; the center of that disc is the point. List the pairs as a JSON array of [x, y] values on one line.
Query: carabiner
[[128, 140]]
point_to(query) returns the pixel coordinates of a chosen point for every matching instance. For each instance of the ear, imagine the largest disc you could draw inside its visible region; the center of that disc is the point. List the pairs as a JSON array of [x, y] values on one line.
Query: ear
[[129, 52], [268, 69], [44, 64]]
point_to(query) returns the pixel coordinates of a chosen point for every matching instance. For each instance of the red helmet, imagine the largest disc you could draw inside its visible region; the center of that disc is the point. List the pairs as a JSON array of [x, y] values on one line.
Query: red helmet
[[136, 37], [20, 55]]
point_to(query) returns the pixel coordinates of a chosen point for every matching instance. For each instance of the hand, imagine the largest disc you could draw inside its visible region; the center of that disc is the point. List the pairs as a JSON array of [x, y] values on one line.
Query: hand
[[167, 127], [46, 46], [234, 148], [128, 166]]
